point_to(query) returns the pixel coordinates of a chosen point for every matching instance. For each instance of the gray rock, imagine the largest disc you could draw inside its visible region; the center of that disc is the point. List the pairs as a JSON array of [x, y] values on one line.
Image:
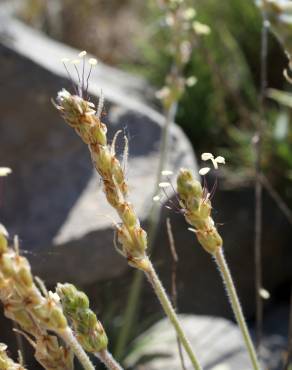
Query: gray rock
[[217, 343], [275, 336], [53, 199]]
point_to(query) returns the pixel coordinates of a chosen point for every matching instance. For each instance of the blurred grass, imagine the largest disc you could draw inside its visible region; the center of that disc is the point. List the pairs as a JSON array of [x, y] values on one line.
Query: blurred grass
[[218, 113]]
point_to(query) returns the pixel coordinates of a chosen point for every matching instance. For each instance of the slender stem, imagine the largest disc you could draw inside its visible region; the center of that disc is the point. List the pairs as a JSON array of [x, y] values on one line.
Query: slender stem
[[129, 315], [106, 357], [173, 282], [289, 349], [168, 309], [169, 118], [235, 304], [258, 259], [79, 352], [258, 185], [287, 212]]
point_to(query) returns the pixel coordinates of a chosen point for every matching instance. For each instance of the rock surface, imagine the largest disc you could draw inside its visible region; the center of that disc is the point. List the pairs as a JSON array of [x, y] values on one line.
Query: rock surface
[[53, 199], [217, 343]]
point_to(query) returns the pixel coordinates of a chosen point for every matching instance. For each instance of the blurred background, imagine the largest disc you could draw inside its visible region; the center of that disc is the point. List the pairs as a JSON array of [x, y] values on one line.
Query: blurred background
[[127, 34], [218, 114]]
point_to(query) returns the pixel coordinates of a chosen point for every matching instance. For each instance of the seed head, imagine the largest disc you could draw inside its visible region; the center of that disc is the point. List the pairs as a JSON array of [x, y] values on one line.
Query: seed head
[[197, 210]]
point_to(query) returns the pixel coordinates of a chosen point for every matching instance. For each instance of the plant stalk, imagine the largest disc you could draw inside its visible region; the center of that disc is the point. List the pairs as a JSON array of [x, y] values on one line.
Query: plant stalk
[[258, 137], [235, 304], [169, 119], [129, 315], [288, 361], [168, 309], [107, 359], [69, 338]]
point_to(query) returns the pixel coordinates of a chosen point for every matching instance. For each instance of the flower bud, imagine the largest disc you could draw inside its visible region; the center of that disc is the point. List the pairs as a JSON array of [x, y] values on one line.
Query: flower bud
[[3, 243], [197, 210], [127, 215], [71, 298], [7, 265], [103, 161], [57, 320], [210, 240], [205, 209], [117, 171], [23, 319], [89, 330], [98, 134], [189, 189], [141, 238], [25, 277]]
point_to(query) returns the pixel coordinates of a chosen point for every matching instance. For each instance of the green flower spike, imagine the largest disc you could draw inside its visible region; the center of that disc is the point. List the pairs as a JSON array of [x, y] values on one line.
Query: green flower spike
[[89, 331], [197, 209]]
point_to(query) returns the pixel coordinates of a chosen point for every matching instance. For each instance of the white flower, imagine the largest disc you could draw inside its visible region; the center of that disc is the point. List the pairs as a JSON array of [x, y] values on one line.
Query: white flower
[[164, 185], [203, 171], [4, 171], [215, 161], [201, 28], [166, 173], [189, 14], [264, 293], [82, 54], [92, 61], [163, 93], [156, 198], [54, 296], [207, 156], [169, 20], [65, 60], [220, 159], [191, 81], [63, 95]]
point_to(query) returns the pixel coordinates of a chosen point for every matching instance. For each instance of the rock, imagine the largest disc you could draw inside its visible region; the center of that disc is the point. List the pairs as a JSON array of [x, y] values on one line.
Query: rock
[[53, 200], [275, 336], [217, 344]]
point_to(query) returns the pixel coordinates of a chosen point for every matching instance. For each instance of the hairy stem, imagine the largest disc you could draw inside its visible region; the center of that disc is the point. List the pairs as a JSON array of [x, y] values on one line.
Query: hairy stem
[[235, 304], [106, 357], [79, 352], [168, 309]]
